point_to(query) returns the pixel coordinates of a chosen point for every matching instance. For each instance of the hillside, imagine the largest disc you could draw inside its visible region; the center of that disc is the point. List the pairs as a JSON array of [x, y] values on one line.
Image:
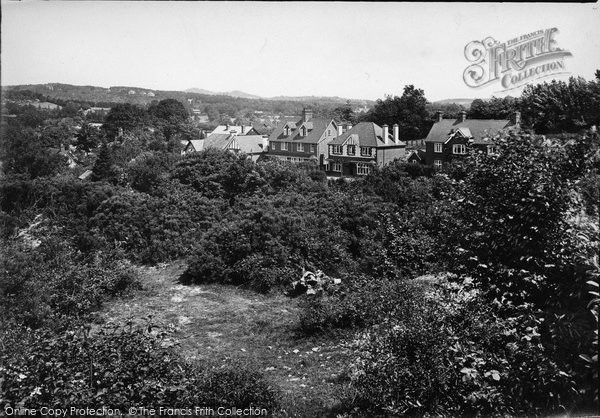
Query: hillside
[[462, 102], [144, 96]]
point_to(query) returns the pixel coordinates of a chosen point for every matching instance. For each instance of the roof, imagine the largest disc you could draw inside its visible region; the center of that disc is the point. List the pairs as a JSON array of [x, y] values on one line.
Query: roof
[[419, 154], [221, 129], [217, 141], [262, 128], [251, 144], [318, 128], [478, 129], [197, 144], [366, 134]]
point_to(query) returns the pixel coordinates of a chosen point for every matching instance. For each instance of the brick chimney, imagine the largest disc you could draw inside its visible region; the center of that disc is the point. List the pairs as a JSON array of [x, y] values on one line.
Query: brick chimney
[[306, 114], [243, 128], [385, 134], [340, 129], [440, 115], [463, 116], [396, 133]]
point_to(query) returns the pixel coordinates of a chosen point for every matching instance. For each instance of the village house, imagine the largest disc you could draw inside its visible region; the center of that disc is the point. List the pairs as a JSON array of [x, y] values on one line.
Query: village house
[[356, 151], [302, 140], [252, 145], [449, 139]]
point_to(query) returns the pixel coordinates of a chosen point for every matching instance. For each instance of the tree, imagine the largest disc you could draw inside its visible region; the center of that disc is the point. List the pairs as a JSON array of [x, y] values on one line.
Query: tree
[[124, 117], [561, 107], [409, 111], [87, 138], [168, 115], [102, 169]]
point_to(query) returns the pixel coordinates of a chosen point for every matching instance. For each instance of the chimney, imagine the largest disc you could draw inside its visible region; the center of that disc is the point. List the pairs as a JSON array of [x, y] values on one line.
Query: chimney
[[340, 129], [463, 116], [440, 115], [396, 133], [385, 134], [348, 127], [227, 127], [306, 114], [265, 143], [243, 128], [517, 119]]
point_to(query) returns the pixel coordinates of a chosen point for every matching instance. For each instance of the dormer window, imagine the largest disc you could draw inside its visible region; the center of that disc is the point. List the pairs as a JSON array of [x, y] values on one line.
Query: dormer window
[[286, 131], [303, 131]]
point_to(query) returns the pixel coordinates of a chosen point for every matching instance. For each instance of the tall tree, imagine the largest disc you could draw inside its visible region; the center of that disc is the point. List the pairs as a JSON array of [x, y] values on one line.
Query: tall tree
[[124, 117], [409, 111]]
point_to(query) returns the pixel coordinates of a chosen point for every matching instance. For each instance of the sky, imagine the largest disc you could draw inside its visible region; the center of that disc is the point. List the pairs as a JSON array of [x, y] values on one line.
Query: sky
[[352, 50]]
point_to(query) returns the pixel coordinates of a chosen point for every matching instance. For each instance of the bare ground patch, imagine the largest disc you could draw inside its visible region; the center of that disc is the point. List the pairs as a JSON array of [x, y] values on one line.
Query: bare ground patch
[[220, 323]]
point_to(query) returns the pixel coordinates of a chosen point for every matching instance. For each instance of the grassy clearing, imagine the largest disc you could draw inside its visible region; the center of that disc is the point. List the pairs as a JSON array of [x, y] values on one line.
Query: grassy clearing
[[223, 323]]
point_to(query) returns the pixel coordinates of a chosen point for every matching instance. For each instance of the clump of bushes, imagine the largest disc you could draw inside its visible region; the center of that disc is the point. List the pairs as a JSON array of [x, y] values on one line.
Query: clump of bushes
[[358, 301], [449, 353], [47, 286], [119, 367]]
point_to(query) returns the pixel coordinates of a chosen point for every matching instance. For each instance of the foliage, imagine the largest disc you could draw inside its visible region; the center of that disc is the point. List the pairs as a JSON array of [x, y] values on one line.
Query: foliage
[[561, 106], [123, 117], [448, 353], [409, 111], [119, 367], [495, 108]]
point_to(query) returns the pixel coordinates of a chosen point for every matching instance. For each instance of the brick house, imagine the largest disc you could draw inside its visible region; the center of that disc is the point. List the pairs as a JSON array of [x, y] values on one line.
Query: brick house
[[449, 139], [302, 140], [356, 151]]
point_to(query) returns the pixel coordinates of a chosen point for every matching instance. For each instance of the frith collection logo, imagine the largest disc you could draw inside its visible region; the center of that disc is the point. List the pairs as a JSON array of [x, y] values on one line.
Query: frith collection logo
[[516, 62]]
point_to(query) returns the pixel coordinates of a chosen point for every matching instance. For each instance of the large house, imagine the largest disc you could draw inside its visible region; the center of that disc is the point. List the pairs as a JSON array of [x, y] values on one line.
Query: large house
[[304, 139], [357, 150], [449, 139]]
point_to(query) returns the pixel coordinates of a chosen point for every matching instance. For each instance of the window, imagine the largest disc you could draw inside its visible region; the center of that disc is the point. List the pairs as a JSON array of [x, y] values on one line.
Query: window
[[336, 149], [362, 169], [313, 148], [303, 131], [337, 167], [437, 147], [286, 131], [327, 167], [284, 146], [328, 132], [300, 147], [351, 149], [491, 149], [365, 151], [459, 149], [437, 164]]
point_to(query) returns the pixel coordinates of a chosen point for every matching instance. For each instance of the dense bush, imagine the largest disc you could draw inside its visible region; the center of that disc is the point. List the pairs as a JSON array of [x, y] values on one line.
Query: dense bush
[[357, 302], [449, 354], [47, 286], [119, 367]]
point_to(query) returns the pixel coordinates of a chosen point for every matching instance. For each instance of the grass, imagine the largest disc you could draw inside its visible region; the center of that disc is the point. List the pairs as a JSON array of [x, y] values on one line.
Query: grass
[[214, 322]]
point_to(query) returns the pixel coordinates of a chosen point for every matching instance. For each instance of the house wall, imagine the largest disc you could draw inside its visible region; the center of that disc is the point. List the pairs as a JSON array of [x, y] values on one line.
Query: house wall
[[323, 145], [386, 155]]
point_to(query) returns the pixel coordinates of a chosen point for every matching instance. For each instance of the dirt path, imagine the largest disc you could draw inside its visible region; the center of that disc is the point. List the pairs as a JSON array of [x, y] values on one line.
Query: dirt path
[[223, 322]]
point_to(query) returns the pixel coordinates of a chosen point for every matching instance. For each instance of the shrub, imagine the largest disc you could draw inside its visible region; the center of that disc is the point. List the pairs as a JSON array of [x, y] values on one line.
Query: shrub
[[449, 354], [118, 367]]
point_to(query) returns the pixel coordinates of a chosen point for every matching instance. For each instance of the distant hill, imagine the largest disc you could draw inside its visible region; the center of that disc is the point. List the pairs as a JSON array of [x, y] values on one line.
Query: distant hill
[[237, 93], [463, 102], [234, 93]]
